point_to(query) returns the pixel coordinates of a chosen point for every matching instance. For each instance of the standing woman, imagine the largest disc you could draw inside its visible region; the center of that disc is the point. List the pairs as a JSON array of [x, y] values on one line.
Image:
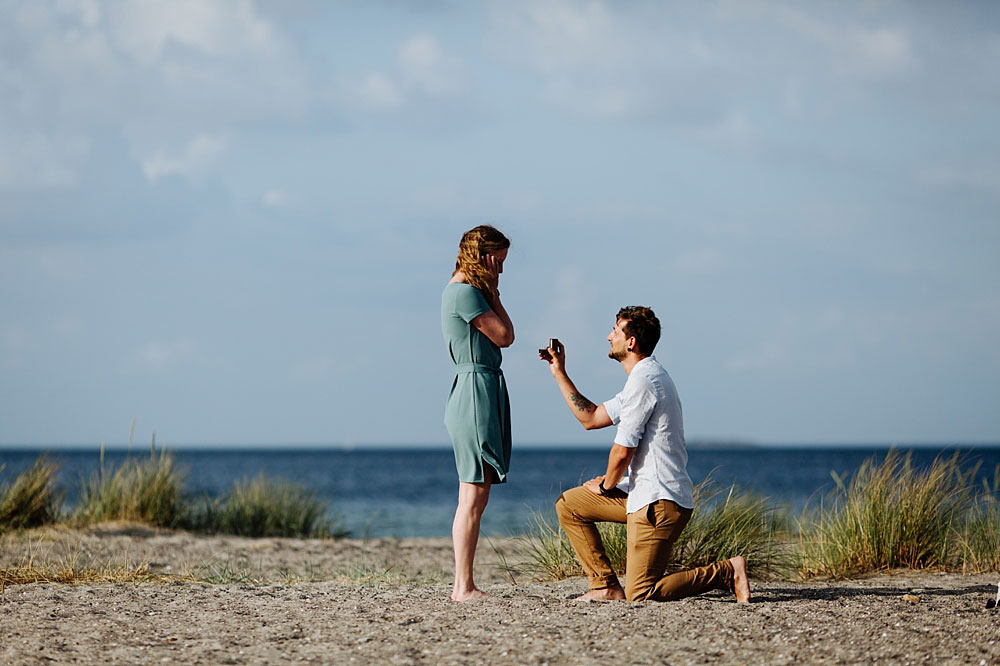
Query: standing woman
[[475, 326]]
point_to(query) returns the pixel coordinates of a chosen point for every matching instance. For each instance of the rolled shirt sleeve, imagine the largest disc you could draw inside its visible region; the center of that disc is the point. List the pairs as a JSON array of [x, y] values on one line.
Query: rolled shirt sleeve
[[631, 409], [614, 408]]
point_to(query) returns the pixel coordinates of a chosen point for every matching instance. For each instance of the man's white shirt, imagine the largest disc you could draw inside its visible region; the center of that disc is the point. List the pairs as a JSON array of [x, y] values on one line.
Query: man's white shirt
[[648, 415]]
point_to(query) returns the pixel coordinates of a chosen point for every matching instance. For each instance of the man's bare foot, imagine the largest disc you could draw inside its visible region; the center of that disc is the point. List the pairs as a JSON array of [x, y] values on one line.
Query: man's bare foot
[[466, 595], [610, 593], [741, 583]]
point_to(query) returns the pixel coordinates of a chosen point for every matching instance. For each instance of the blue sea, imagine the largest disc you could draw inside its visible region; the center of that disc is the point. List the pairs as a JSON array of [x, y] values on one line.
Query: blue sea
[[406, 492]]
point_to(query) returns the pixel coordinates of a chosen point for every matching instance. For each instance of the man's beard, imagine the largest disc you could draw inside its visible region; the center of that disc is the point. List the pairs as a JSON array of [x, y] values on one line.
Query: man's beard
[[617, 356]]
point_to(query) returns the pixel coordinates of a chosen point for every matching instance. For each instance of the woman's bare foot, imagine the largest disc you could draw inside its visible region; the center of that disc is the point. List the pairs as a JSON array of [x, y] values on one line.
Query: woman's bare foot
[[466, 595], [741, 583], [609, 593]]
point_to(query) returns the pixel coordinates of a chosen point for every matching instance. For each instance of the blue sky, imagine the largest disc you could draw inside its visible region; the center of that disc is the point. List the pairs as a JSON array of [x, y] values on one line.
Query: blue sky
[[232, 221]]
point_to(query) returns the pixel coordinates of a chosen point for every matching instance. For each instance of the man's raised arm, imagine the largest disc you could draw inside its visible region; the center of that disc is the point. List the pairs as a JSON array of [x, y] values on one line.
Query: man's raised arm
[[589, 415]]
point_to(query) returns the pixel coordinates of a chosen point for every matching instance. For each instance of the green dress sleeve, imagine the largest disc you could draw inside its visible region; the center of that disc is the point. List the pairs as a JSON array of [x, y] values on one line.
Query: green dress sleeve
[[470, 303]]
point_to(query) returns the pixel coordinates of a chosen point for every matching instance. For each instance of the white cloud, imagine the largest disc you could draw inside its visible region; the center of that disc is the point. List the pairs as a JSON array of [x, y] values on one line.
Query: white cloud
[[427, 67], [150, 70], [853, 50], [192, 162], [633, 62], [560, 35], [614, 61], [425, 70], [88, 12], [144, 30], [82, 49], [881, 51]]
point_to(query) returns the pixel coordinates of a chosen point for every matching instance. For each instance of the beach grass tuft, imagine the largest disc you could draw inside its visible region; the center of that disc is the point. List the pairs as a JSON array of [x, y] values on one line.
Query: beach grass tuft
[[147, 490], [720, 528], [544, 550], [979, 538], [126, 572], [264, 507], [74, 566], [31, 499], [731, 521], [888, 515]]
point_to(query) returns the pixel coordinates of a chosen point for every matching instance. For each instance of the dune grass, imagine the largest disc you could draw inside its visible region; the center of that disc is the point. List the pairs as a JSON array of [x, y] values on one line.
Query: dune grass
[[734, 522], [721, 527], [979, 538], [266, 507], [72, 565], [545, 553], [31, 499], [890, 515], [124, 572], [147, 490]]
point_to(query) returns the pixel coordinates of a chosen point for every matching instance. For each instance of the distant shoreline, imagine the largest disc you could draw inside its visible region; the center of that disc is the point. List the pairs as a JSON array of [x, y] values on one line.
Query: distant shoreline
[[695, 444]]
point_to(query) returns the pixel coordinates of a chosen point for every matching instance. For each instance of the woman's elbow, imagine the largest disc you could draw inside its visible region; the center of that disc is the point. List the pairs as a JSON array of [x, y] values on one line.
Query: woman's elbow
[[508, 340]]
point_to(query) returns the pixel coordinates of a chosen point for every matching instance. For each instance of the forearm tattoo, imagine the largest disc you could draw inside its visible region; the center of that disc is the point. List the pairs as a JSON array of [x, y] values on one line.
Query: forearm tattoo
[[582, 403]]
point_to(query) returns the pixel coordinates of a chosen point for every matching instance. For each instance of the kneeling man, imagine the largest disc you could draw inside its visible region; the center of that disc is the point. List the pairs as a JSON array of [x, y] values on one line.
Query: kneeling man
[[650, 444]]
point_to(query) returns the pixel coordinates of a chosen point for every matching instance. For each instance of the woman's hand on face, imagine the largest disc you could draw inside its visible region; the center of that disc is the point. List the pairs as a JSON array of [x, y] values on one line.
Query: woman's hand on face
[[493, 267]]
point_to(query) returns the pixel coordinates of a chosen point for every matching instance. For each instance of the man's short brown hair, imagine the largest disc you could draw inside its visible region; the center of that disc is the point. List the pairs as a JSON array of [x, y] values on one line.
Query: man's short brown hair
[[642, 324]]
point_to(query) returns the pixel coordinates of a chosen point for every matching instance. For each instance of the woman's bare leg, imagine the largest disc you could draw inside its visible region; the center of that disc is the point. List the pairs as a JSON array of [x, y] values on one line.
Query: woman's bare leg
[[472, 499]]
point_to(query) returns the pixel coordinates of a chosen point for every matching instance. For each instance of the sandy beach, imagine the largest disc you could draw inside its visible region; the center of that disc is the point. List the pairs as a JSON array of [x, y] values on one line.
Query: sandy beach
[[229, 600]]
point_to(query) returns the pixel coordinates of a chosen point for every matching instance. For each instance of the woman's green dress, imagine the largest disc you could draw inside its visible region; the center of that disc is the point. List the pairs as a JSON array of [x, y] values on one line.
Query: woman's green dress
[[478, 411]]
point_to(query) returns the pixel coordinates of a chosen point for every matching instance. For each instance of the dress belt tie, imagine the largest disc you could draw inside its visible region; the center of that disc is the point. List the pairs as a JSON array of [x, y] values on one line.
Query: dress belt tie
[[466, 368]]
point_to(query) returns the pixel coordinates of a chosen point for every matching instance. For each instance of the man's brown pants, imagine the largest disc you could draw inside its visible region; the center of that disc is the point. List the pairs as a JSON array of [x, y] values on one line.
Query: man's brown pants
[[651, 533]]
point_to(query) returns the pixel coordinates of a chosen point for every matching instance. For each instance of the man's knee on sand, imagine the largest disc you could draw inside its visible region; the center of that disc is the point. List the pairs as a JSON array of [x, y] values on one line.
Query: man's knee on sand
[[633, 593]]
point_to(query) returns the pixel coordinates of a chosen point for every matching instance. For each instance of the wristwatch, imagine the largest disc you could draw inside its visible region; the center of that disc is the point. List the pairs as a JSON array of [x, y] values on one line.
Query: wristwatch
[[604, 491]]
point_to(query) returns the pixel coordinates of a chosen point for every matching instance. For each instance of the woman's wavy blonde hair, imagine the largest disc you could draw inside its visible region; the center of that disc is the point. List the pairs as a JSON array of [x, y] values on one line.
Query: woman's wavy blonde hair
[[475, 244]]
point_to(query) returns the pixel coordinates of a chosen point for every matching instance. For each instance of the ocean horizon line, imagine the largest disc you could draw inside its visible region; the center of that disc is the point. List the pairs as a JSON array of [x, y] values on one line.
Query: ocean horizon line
[[694, 444]]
